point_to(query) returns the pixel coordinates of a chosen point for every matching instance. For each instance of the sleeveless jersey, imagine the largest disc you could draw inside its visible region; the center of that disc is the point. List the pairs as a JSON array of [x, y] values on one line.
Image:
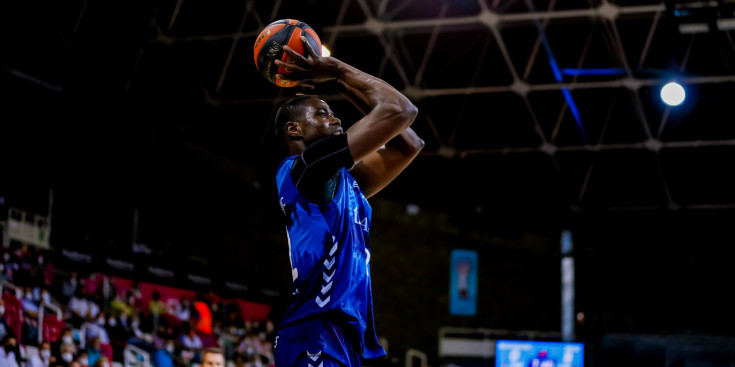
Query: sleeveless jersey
[[330, 254]]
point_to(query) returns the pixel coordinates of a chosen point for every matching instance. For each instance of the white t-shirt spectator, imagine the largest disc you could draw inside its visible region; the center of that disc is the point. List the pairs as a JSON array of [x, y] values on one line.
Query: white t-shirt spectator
[[191, 341], [79, 306], [7, 359]]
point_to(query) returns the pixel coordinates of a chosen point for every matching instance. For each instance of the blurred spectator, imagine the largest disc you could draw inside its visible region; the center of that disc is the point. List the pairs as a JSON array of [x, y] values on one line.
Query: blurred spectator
[[238, 360], [5, 268], [26, 261], [45, 298], [82, 358], [48, 271], [156, 310], [164, 357], [65, 342], [94, 327], [124, 306], [137, 337], [77, 308], [183, 310], [94, 350], [118, 335], [44, 358], [67, 352], [9, 353], [29, 333], [191, 344], [102, 361], [3, 326], [69, 287], [203, 318]]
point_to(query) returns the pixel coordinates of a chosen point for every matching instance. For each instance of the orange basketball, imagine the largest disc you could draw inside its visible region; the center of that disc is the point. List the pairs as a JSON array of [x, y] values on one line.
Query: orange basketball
[[269, 47]]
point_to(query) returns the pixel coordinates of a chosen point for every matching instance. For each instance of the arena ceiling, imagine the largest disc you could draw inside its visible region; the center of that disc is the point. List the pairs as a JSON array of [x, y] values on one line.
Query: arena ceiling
[[529, 108]]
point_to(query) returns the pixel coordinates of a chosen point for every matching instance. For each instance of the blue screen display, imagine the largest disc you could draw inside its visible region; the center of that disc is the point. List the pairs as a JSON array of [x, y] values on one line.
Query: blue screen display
[[527, 353]]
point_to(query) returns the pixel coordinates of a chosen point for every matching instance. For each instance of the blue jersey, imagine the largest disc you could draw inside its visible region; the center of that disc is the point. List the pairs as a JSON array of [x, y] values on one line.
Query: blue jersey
[[329, 249]]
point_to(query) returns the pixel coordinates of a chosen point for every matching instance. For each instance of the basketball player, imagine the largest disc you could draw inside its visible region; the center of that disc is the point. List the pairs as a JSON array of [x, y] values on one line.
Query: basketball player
[[323, 187]]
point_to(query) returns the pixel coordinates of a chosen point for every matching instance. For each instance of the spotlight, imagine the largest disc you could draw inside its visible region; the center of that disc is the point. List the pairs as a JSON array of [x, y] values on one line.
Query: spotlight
[[673, 94], [325, 51]]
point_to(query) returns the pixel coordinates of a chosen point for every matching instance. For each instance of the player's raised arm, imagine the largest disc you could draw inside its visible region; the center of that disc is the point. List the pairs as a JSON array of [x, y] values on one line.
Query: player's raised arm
[[390, 111], [378, 169]]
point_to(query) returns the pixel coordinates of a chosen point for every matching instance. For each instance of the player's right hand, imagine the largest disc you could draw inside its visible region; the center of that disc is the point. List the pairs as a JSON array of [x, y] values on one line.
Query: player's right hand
[[309, 69]]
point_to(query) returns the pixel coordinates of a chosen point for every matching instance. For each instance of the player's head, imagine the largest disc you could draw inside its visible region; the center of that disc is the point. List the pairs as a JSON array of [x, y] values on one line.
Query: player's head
[[213, 357], [304, 120]]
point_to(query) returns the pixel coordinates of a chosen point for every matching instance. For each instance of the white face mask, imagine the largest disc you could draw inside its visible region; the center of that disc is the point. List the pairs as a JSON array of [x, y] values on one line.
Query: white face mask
[[83, 361], [67, 339], [112, 322], [45, 353], [67, 357], [2, 310], [101, 321], [170, 348], [29, 296]]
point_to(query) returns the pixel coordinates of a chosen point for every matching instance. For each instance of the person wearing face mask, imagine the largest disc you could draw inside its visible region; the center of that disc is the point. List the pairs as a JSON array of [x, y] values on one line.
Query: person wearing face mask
[[29, 333], [67, 353], [102, 361], [95, 327], [9, 353], [164, 357], [44, 358], [64, 343], [82, 358], [46, 297]]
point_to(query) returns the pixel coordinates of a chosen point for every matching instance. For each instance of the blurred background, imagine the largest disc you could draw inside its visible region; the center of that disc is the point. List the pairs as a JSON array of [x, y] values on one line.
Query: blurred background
[[558, 198]]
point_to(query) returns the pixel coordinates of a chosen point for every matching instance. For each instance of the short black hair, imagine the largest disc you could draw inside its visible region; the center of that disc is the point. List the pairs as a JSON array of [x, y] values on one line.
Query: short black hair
[[289, 111]]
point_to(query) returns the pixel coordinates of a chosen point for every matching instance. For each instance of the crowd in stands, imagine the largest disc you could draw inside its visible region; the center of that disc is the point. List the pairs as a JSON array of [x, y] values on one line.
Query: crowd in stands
[[50, 318]]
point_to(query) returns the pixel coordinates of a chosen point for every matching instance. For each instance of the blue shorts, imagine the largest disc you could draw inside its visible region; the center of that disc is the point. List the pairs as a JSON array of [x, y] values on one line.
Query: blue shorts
[[315, 343]]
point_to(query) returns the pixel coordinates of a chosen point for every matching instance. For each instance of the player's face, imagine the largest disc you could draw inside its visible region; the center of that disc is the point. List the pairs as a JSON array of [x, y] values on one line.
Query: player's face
[[213, 360], [319, 121]]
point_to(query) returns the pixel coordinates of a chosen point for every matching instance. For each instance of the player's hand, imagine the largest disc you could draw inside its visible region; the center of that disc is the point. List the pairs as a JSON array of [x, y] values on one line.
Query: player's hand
[[309, 69]]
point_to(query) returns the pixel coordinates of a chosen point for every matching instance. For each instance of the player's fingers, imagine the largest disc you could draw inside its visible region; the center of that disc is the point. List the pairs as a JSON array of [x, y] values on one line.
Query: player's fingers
[[307, 47], [289, 66], [297, 56]]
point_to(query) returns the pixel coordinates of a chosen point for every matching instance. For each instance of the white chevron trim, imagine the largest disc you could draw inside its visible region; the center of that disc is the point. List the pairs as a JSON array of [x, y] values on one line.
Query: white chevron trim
[[314, 356], [326, 277], [321, 303], [326, 288], [328, 263]]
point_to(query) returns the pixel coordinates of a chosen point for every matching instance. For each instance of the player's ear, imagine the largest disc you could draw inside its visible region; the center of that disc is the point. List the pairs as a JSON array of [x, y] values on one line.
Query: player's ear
[[294, 131]]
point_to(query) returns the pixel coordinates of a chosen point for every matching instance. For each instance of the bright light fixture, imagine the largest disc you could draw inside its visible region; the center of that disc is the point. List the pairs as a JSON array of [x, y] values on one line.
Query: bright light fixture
[[673, 94]]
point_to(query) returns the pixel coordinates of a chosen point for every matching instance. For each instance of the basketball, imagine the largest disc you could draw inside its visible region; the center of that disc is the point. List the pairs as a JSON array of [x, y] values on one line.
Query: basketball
[[269, 47]]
